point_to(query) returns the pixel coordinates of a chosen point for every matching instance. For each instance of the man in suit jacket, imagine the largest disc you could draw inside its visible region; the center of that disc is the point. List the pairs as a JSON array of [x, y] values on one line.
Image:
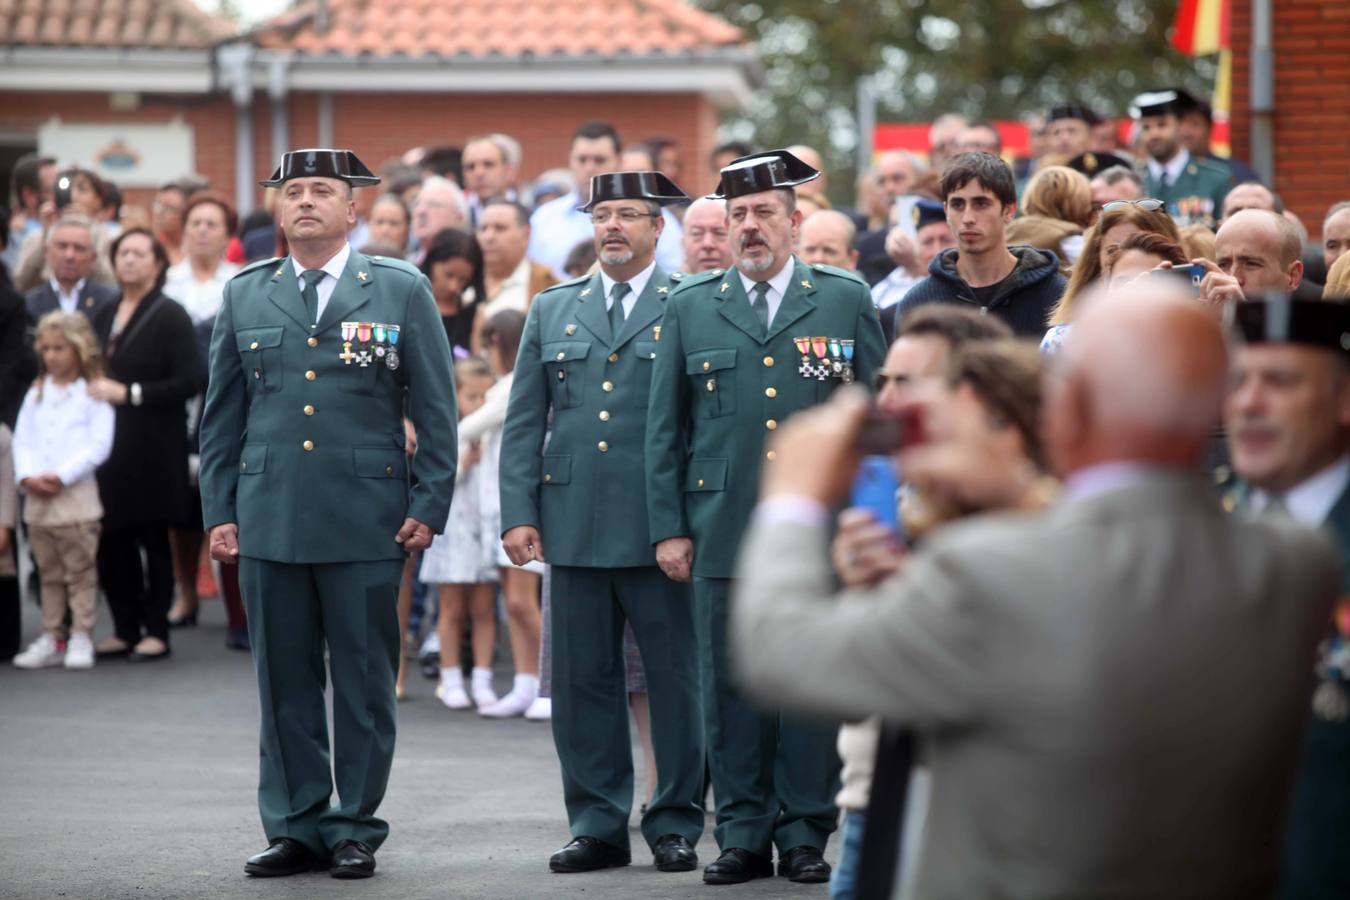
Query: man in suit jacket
[[728, 370], [306, 485], [70, 255], [1288, 426], [1108, 694], [585, 500]]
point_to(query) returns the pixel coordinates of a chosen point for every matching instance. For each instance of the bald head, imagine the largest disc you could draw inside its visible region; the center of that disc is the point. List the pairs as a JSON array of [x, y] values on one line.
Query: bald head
[[707, 244], [811, 156], [1249, 195], [1107, 407], [827, 238], [1262, 250]]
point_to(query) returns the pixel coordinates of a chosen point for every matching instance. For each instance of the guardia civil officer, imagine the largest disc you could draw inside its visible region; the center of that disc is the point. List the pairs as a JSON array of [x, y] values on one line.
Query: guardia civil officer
[[741, 350], [586, 358], [1192, 187], [315, 360]]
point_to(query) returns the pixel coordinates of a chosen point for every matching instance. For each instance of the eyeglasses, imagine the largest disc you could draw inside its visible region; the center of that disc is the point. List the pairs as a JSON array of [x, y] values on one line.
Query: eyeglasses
[[1148, 204], [625, 216]]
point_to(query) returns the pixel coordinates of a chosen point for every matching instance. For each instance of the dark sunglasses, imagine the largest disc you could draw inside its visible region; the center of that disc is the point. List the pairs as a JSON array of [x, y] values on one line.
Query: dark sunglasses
[[1148, 204]]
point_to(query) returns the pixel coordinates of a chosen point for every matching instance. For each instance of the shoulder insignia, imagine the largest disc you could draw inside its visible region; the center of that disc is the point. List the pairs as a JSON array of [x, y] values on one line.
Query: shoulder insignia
[[693, 279], [260, 264], [676, 276], [562, 284], [1192, 169], [836, 272], [389, 262]]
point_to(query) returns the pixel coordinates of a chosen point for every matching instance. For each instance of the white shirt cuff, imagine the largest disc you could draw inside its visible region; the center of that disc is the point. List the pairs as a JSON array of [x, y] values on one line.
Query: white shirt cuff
[[788, 509]]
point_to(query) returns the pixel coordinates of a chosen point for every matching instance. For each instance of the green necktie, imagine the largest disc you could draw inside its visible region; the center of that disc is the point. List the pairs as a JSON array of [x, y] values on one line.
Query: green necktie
[[761, 305], [616, 316], [312, 278]]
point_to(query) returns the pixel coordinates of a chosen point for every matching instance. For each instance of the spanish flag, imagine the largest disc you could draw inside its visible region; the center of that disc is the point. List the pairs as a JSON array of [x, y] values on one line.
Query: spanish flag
[[1201, 28]]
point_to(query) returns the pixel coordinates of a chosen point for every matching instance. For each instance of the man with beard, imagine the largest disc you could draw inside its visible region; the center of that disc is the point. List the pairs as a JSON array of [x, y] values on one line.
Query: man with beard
[[1288, 424], [585, 366], [1193, 188], [740, 350]]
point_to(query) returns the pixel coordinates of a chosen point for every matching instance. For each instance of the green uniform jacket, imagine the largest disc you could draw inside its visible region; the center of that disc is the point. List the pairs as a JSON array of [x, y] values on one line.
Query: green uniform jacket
[[718, 388], [305, 450], [586, 494], [1196, 197]]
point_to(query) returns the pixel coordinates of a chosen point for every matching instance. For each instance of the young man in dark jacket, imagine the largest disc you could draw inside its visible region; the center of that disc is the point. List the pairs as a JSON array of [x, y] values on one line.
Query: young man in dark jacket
[[1020, 285]]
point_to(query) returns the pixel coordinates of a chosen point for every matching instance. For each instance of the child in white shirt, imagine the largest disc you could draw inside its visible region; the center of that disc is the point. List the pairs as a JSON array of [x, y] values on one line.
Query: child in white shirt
[[61, 437]]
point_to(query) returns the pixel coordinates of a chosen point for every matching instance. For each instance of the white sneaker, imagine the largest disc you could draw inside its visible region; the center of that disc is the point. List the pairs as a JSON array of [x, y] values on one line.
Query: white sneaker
[[481, 689], [541, 710], [431, 645], [79, 652], [40, 654], [453, 696], [509, 707]]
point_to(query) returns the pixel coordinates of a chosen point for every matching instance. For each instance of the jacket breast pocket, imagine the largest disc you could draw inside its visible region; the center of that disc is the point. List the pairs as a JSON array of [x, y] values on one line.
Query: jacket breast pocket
[[565, 363], [644, 352], [260, 354], [712, 374], [362, 373]]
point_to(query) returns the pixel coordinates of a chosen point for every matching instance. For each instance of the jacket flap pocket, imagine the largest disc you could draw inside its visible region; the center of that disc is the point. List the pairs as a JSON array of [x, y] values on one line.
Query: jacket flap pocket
[[710, 361], [564, 351], [252, 458], [706, 475], [380, 462], [557, 470], [259, 338], [646, 349]]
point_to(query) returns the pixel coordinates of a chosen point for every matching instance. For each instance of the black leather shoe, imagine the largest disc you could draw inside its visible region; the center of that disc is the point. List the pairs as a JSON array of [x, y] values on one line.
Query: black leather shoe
[[736, 866], [352, 859], [282, 857], [804, 865], [187, 620], [586, 854], [134, 657], [673, 853]]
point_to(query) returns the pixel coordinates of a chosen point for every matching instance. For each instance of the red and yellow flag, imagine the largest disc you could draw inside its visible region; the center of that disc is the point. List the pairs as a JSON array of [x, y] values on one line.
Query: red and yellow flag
[[1201, 28]]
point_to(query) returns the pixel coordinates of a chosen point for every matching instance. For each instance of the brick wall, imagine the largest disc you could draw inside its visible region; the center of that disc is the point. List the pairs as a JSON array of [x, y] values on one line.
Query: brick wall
[[1312, 101], [379, 126]]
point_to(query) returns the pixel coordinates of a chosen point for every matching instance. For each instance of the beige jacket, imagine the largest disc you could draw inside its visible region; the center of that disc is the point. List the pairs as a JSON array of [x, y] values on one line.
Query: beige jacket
[[1109, 695]]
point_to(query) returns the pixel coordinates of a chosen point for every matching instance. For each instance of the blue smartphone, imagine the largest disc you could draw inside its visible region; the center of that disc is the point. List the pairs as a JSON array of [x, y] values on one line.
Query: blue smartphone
[[876, 489]]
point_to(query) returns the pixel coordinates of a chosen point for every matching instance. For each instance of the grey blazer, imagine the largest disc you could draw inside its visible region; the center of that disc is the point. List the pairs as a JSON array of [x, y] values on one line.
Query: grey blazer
[[1109, 695], [42, 299]]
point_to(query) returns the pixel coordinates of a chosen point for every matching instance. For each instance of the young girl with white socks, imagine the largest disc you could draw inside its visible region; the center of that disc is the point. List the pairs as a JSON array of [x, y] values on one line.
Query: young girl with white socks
[[462, 561]]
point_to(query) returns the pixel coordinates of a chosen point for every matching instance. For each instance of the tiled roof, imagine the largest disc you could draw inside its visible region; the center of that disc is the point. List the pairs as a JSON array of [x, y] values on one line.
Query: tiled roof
[[165, 24], [502, 29]]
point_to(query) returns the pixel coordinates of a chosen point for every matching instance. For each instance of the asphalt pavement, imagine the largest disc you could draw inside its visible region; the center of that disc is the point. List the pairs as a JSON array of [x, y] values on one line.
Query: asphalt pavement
[[138, 781]]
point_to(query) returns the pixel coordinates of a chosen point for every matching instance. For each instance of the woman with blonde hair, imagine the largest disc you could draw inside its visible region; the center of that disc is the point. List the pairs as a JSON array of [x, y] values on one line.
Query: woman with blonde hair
[[1058, 192], [1338, 280], [1119, 220], [1198, 242]]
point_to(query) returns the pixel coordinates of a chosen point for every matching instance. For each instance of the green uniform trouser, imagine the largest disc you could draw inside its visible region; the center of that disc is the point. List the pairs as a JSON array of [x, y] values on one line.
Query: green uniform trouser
[[774, 779], [590, 703], [293, 611]]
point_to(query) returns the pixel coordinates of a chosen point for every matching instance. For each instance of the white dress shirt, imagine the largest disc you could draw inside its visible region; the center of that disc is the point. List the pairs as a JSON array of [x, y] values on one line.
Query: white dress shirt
[[334, 267], [66, 432], [778, 286], [637, 284], [1311, 501], [1172, 168], [69, 302], [201, 299]]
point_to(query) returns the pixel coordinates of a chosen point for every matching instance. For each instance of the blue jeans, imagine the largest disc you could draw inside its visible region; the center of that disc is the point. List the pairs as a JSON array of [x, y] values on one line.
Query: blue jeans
[[844, 878]]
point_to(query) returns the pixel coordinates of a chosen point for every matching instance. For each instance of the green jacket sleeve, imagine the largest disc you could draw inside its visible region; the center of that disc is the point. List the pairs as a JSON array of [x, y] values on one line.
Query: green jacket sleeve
[[223, 418], [523, 431], [432, 406], [667, 417]]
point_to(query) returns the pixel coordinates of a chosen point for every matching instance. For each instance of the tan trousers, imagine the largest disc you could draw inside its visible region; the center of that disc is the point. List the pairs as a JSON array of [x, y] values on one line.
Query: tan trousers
[[66, 557]]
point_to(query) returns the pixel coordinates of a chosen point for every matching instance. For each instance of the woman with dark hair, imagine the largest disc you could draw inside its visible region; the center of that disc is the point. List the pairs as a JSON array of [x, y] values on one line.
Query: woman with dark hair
[[152, 370], [454, 266]]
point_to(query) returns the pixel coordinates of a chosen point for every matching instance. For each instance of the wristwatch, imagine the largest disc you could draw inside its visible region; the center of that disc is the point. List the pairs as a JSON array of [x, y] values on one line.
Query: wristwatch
[[134, 393]]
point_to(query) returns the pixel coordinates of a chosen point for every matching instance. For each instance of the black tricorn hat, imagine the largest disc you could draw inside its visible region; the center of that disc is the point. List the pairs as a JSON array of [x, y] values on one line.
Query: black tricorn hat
[[319, 163], [1073, 111], [1283, 320], [928, 212], [634, 186], [1092, 162], [759, 172]]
